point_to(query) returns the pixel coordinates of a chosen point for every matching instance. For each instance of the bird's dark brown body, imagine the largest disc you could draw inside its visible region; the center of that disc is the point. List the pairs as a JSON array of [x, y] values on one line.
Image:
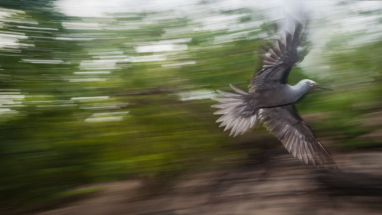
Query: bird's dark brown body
[[278, 96]]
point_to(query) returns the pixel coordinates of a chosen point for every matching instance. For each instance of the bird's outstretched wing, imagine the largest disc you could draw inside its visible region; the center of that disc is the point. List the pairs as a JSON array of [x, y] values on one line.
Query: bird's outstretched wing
[[295, 134], [278, 61]]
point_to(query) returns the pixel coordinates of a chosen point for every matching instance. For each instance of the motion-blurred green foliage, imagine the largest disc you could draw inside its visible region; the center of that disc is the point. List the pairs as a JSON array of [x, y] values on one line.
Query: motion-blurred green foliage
[[61, 127]]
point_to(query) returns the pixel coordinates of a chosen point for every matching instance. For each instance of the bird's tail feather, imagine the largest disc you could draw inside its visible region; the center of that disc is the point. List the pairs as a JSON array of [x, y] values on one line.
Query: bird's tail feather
[[237, 115]]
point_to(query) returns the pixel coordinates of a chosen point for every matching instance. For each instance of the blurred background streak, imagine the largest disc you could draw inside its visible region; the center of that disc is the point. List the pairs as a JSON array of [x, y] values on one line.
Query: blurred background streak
[[95, 91]]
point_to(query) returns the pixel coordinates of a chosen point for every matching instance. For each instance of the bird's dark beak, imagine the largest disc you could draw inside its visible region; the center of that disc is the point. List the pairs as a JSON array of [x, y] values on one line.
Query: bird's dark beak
[[318, 86]]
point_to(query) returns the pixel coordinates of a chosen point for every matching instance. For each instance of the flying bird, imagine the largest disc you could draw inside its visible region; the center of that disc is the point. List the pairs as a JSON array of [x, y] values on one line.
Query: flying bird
[[269, 100]]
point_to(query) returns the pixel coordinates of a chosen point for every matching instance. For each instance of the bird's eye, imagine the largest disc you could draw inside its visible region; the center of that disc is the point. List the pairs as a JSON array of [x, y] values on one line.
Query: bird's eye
[[307, 82]]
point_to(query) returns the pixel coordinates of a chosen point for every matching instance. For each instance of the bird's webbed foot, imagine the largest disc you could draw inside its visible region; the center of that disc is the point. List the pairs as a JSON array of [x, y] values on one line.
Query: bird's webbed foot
[[249, 113]]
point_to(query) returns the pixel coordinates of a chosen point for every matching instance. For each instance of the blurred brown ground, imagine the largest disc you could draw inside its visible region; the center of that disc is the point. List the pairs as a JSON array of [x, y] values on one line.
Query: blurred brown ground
[[282, 186]]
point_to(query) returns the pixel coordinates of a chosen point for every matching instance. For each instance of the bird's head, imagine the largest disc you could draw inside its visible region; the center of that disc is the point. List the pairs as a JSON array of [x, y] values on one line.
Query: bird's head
[[308, 85]]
